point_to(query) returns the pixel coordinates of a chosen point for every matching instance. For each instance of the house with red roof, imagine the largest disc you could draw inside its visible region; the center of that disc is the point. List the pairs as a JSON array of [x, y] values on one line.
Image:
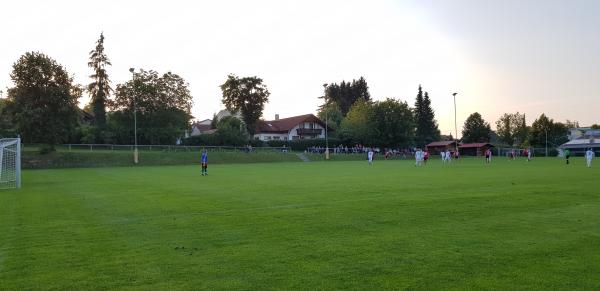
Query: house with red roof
[[306, 126], [201, 127]]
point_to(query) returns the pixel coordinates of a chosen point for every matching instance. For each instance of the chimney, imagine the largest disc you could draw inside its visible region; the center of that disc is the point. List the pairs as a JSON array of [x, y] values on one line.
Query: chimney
[[276, 116]]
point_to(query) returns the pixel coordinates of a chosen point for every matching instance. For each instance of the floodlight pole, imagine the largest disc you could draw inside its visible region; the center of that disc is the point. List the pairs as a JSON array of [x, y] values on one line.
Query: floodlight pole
[[135, 150], [326, 125], [455, 127]]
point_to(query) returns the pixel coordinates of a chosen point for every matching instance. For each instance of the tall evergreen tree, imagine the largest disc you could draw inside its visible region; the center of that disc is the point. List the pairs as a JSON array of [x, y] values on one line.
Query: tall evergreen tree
[[345, 94], [427, 128], [360, 89], [99, 89]]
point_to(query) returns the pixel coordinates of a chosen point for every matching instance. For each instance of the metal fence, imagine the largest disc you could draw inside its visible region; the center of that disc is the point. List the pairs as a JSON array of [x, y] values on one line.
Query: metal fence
[[520, 152], [165, 148]]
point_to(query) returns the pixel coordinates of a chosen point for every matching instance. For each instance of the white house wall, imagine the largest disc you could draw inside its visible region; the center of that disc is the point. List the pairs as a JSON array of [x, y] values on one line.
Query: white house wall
[[266, 136], [270, 136], [195, 131]]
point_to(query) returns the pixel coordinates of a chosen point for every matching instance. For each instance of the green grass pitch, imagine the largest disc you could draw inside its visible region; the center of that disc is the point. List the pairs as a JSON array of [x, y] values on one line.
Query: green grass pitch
[[320, 225]]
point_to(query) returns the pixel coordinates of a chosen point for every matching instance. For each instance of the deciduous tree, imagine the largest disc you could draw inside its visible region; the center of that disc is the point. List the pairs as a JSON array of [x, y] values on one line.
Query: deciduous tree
[[511, 128], [476, 129], [394, 122], [162, 102], [247, 95], [43, 101], [358, 125], [333, 114], [544, 127]]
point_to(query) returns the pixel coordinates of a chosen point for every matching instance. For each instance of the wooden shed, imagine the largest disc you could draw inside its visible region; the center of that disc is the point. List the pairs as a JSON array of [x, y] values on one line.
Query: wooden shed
[[436, 147], [474, 149]]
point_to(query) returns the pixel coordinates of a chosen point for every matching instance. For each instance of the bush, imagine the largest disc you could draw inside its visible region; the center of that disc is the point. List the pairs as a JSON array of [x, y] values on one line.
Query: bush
[[297, 145], [303, 144], [46, 149], [85, 133], [257, 143], [201, 140], [215, 139]]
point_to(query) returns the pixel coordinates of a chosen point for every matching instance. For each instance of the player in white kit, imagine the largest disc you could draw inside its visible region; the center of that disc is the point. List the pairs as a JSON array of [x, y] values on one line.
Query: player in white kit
[[370, 156], [589, 155], [418, 157]]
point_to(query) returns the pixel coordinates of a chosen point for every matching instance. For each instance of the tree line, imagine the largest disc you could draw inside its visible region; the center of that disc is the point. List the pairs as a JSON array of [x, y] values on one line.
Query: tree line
[[388, 123], [512, 130], [393, 123], [41, 107]]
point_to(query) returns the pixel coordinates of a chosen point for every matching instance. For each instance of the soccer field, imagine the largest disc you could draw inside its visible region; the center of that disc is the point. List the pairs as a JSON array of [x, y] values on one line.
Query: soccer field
[[319, 225]]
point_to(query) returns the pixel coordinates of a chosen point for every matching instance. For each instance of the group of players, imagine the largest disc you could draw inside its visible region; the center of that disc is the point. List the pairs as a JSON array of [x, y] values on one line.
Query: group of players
[[421, 157]]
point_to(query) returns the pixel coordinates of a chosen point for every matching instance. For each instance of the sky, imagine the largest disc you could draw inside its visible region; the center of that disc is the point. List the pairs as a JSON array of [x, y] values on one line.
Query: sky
[[538, 56]]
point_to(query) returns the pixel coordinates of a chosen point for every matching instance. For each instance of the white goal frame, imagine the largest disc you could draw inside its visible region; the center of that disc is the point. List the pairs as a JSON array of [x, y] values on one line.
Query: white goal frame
[[10, 163]]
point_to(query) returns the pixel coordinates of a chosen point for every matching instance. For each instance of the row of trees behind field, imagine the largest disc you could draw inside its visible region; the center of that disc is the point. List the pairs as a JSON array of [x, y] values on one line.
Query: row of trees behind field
[[356, 119], [42, 107], [393, 123]]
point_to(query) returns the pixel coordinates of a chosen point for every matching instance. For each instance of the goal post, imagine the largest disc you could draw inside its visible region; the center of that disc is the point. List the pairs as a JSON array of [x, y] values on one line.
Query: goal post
[[10, 163]]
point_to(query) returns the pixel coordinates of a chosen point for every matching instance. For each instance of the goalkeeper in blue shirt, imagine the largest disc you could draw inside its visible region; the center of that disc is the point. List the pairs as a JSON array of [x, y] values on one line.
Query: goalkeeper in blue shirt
[[204, 163]]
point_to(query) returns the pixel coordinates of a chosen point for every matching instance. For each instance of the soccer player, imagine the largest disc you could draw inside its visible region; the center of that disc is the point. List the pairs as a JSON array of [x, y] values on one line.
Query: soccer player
[[370, 156], [488, 156], [425, 157], [418, 157], [204, 163], [589, 155], [443, 154], [528, 155], [448, 156], [567, 155]]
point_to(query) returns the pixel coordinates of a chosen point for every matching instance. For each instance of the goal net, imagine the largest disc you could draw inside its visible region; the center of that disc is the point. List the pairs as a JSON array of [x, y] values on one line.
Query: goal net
[[10, 163]]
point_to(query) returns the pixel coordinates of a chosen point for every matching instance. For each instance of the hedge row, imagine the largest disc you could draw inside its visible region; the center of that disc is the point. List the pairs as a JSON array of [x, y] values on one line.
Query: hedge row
[[296, 145], [34, 160], [303, 144]]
